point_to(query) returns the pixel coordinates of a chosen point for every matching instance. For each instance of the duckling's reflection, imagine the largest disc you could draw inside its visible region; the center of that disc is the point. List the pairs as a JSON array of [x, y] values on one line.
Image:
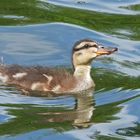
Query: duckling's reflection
[[83, 109], [80, 116]]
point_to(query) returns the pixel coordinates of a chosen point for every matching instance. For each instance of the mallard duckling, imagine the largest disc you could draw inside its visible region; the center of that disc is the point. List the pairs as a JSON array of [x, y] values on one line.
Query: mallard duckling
[[39, 78]]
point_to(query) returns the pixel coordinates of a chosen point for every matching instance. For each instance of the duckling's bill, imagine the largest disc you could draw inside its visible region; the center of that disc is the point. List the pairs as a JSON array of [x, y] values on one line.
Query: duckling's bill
[[105, 51]]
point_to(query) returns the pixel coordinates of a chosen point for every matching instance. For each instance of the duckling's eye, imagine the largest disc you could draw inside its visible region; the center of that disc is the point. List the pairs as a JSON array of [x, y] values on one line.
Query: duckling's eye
[[86, 46], [95, 46]]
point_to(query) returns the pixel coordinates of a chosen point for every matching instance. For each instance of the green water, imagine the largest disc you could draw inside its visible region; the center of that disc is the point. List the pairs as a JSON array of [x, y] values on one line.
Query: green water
[[43, 32]]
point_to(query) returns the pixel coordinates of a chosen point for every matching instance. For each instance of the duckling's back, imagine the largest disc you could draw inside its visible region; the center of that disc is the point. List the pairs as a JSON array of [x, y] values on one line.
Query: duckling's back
[[37, 78]]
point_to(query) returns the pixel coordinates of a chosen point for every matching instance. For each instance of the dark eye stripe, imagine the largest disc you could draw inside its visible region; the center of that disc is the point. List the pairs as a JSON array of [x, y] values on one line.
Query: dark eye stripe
[[96, 46], [85, 47]]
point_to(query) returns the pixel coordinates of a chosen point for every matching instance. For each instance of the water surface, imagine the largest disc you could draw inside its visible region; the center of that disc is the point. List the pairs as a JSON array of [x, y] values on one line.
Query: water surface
[[43, 32]]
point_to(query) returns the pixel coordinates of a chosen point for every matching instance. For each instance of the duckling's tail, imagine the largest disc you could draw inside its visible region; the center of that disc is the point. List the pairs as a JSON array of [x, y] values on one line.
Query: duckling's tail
[[3, 76], [2, 66]]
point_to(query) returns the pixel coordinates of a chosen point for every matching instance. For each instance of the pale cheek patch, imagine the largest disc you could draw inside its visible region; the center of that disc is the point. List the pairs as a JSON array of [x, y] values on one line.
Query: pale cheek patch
[[94, 55], [78, 53], [94, 50], [19, 75], [3, 78]]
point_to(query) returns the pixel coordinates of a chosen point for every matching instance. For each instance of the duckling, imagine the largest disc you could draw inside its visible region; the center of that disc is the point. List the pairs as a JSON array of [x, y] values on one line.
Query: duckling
[[45, 79]]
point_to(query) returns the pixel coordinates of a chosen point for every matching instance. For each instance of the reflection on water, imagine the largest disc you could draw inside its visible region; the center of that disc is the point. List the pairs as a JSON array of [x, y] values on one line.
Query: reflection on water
[[68, 113], [98, 5], [109, 112], [30, 45], [26, 41], [80, 116], [12, 17], [48, 116]]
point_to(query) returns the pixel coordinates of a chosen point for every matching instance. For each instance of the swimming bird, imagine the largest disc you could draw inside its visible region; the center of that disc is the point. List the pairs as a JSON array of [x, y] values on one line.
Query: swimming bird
[[45, 79]]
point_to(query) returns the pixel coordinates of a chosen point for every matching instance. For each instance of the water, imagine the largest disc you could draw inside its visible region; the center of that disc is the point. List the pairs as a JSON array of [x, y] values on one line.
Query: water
[[43, 32]]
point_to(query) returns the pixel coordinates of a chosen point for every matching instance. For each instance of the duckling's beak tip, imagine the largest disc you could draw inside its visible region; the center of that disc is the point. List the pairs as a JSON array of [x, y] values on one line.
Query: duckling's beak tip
[[115, 49]]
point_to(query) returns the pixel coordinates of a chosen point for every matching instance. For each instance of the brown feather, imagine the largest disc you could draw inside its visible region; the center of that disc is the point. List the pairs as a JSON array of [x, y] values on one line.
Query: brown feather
[[35, 74]]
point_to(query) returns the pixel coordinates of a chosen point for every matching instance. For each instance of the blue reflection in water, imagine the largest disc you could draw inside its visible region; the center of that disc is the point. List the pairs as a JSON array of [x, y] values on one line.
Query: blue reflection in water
[[30, 45], [107, 6]]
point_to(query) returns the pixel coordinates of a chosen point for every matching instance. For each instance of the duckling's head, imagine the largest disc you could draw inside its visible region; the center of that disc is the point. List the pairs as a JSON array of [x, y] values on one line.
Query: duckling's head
[[84, 51]]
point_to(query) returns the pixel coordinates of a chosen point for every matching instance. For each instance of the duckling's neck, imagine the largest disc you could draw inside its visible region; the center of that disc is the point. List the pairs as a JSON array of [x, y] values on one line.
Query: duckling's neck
[[82, 74], [82, 71]]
